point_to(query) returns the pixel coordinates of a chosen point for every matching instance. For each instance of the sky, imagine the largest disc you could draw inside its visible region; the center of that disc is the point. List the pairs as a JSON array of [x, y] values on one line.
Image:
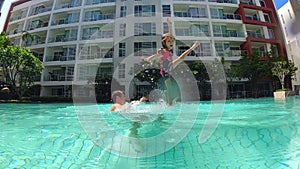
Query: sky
[[7, 3], [280, 3], [4, 11]]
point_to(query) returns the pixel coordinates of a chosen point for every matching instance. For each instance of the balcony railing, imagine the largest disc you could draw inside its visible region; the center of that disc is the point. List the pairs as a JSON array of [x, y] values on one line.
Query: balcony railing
[[99, 35], [248, 2], [60, 58], [231, 53], [253, 18], [58, 77], [61, 39], [12, 32], [195, 54], [40, 10], [68, 5], [255, 35], [96, 56], [187, 14], [94, 2], [41, 25], [229, 34], [17, 17], [100, 17], [227, 16], [192, 0], [35, 42], [224, 1], [64, 21], [189, 32]]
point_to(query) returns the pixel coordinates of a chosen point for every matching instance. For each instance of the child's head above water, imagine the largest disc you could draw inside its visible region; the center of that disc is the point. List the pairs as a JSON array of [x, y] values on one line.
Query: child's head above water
[[167, 41]]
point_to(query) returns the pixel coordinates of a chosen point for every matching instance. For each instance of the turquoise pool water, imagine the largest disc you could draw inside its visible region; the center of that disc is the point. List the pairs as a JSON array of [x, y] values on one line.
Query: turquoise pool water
[[253, 133]]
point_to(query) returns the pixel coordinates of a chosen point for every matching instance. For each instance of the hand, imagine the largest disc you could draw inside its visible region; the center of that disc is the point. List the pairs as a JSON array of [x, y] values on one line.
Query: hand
[[169, 20], [146, 59], [196, 44]]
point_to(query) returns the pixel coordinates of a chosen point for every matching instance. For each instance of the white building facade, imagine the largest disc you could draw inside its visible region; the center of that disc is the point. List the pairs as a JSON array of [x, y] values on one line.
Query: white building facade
[[79, 39], [289, 15]]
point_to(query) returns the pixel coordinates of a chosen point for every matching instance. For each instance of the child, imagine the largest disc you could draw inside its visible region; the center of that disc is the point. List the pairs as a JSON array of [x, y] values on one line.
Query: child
[[166, 61]]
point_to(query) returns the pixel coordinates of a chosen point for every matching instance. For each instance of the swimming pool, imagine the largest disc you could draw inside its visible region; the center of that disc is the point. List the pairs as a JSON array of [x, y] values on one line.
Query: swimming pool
[[252, 133]]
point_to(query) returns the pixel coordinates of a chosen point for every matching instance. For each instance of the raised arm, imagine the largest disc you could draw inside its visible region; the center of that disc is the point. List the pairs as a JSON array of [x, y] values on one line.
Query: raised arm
[[184, 54], [148, 59], [170, 26]]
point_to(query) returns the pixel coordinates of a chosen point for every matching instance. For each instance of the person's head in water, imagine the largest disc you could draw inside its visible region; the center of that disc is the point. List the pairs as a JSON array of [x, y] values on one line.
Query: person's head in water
[[118, 97]]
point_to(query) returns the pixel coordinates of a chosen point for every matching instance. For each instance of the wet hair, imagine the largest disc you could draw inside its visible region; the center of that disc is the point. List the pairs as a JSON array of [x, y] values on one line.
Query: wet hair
[[164, 39], [116, 93]]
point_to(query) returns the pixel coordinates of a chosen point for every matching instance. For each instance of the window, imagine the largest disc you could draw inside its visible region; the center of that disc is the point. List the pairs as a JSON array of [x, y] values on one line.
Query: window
[[267, 18], [221, 48], [122, 49], [198, 12], [87, 33], [92, 16], [122, 70], [201, 30], [165, 27], [217, 13], [290, 14], [122, 29], [271, 34], [204, 49], [262, 3], [123, 11], [220, 30], [144, 29], [166, 10], [282, 18], [73, 17], [144, 10], [144, 48]]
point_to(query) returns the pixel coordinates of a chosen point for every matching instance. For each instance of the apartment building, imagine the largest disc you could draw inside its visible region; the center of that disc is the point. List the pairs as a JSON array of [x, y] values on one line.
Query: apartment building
[[79, 39], [289, 15]]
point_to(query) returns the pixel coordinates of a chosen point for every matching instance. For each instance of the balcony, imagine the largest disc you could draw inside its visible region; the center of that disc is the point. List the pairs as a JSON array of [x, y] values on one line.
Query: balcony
[[252, 18], [59, 73], [224, 1], [192, 0], [99, 17], [61, 38], [35, 39], [13, 32], [40, 9], [227, 16], [98, 35], [98, 55], [64, 21], [190, 15], [58, 77], [60, 58], [94, 2], [18, 17], [230, 33], [190, 32], [255, 35], [36, 24], [229, 53], [71, 4], [248, 2], [19, 14], [63, 35]]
